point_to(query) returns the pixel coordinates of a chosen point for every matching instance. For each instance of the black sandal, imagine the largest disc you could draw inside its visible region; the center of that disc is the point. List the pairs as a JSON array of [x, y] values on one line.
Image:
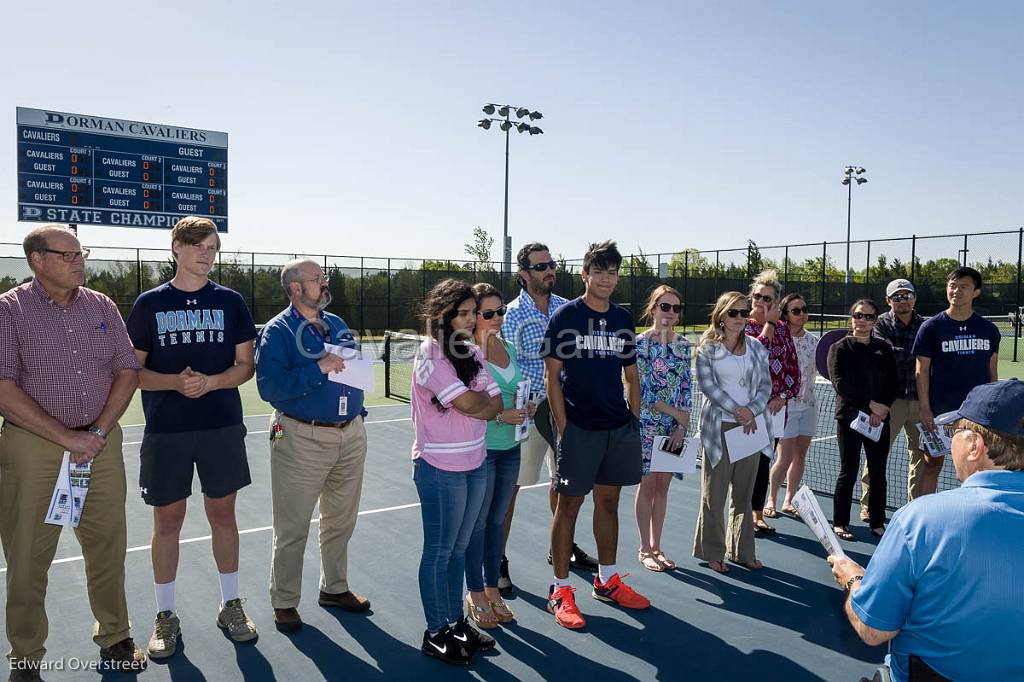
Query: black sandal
[[760, 527]]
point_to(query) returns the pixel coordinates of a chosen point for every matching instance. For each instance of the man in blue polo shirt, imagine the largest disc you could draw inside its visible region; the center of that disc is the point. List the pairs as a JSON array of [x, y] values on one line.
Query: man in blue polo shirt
[[946, 585], [317, 440]]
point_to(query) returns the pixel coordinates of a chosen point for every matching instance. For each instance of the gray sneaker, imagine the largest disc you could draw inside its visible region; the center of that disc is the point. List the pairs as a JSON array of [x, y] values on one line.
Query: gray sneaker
[[166, 631], [238, 625]]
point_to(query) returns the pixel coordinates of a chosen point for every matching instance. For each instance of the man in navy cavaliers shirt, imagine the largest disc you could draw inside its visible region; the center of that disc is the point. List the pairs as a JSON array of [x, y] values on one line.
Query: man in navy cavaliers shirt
[[194, 339]]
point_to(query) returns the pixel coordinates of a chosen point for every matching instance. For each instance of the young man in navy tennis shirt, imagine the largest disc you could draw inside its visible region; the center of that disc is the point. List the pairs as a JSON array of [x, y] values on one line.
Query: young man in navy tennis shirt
[[956, 350], [588, 348], [194, 339]]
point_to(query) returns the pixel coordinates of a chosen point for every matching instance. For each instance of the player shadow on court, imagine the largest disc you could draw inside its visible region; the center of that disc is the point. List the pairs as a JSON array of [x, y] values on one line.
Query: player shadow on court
[[813, 547], [674, 647], [329, 657], [787, 601], [250, 660], [179, 668]]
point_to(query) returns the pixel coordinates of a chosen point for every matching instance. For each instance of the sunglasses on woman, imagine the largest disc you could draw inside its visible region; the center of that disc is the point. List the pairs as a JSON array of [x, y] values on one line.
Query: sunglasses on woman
[[541, 267], [741, 312], [489, 314], [763, 297], [674, 307], [864, 316], [797, 310]]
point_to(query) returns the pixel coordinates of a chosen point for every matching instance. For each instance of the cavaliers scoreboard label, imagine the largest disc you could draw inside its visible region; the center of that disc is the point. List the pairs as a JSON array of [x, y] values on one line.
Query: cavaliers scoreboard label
[[92, 170]]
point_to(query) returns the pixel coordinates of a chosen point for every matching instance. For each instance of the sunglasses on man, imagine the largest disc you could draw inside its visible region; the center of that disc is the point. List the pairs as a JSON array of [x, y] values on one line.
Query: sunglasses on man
[[541, 267], [870, 317], [741, 312], [489, 314], [899, 298], [674, 307]]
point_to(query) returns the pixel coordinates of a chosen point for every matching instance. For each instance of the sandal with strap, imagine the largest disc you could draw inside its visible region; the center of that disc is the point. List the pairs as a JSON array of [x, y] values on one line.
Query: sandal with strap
[[770, 513], [501, 611], [660, 557], [649, 561], [718, 566], [844, 533], [485, 618]]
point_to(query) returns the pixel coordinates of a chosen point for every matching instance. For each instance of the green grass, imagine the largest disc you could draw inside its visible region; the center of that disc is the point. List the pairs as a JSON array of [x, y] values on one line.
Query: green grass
[[252, 404]]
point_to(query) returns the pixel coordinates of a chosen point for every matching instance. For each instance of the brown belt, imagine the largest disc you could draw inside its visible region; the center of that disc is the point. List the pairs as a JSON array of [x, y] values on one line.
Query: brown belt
[[328, 425]]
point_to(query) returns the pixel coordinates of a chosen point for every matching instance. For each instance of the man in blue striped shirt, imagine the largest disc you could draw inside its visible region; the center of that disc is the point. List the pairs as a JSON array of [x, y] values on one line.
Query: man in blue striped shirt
[[525, 323], [945, 585]]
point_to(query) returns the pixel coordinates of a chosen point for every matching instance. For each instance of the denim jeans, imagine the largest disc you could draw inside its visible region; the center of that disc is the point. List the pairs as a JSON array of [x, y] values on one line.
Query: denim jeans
[[485, 547], [450, 503]]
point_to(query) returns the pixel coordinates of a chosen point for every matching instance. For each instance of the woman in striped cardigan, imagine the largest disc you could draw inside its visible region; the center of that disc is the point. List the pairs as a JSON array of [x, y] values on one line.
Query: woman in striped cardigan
[[733, 376]]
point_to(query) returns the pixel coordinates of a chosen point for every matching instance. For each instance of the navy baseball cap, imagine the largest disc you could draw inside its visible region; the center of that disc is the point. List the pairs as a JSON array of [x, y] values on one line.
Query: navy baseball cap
[[997, 406]]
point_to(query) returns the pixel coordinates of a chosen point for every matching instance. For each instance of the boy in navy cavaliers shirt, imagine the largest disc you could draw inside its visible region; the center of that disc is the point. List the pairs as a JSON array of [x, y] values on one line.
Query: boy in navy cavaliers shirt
[[194, 339]]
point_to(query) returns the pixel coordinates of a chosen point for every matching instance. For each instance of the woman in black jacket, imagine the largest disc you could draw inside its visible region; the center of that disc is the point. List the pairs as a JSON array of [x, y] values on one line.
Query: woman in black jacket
[[863, 372]]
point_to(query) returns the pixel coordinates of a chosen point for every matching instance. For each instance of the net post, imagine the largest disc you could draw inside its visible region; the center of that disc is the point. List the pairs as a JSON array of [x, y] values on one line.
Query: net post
[[387, 364]]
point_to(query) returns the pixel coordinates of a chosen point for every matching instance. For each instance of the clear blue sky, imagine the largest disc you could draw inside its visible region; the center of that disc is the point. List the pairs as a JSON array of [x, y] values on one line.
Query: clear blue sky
[[675, 124]]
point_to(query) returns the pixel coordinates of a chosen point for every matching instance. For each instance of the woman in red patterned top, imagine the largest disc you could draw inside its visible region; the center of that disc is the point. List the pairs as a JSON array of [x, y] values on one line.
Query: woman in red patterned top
[[783, 366]]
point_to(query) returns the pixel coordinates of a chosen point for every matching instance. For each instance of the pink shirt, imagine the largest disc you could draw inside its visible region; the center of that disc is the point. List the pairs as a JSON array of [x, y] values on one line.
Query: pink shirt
[[63, 358], [446, 438]]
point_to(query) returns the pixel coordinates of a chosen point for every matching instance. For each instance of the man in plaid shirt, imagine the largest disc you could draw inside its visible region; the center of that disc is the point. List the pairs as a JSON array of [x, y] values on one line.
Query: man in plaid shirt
[[525, 323], [67, 373]]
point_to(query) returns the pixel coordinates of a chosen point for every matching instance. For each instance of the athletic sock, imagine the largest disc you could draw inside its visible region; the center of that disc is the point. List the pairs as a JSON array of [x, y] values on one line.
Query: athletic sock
[[228, 587], [605, 573], [164, 596], [560, 582]]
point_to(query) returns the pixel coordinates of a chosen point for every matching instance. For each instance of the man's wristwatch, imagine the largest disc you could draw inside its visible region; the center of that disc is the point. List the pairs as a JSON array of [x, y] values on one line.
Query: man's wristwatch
[[850, 582], [98, 431]]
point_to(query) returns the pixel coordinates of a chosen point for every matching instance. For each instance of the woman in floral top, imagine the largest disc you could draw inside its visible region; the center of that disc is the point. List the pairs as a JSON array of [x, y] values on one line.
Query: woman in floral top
[[663, 361]]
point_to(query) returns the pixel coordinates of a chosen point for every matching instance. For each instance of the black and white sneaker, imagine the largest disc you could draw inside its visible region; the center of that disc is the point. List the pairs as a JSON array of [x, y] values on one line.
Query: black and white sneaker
[[468, 635], [505, 587], [579, 560], [443, 646]]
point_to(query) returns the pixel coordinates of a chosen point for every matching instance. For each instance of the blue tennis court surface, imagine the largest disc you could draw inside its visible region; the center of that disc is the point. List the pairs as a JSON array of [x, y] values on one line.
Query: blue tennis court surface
[[781, 623]]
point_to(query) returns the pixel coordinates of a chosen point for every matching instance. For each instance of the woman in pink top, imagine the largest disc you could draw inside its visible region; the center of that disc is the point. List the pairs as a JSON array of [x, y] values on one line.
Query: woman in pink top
[[453, 398]]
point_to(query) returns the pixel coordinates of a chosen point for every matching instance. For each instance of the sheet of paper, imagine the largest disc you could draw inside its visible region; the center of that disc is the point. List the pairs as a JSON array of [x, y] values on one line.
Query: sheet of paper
[[358, 372], [806, 504], [69, 492], [937, 442], [863, 426], [743, 445], [522, 399], [683, 462], [778, 422]]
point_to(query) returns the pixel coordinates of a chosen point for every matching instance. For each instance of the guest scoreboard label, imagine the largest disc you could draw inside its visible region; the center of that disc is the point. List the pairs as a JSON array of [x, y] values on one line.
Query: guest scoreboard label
[[93, 170]]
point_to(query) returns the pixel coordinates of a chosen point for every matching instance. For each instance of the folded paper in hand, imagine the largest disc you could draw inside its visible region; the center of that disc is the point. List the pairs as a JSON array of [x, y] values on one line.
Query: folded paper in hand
[[806, 504], [863, 426], [69, 493], [358, 372]]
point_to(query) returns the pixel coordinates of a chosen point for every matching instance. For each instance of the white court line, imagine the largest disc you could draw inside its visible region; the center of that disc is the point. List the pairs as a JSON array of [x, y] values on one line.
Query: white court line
[[256, 433], [262, 529], [815, 440]]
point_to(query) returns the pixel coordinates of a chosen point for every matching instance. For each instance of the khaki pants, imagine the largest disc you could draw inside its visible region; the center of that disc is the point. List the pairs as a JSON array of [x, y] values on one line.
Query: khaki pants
[[310, 464], [29, 466], [905, 415], [709, 542]]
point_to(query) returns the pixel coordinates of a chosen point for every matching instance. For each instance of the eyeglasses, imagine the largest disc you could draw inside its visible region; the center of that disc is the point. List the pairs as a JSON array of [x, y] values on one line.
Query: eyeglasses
[[898, 298], [489, 314], [741, 312], [762, 297], [864, 316], [541, 267], [322, 279], [797, 310], [674, 307], [69, 256]]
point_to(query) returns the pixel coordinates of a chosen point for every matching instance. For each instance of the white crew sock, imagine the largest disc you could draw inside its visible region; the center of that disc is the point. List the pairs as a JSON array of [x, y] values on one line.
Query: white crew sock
[[164, 596], [605, 573], [228, 587], [560, 582]]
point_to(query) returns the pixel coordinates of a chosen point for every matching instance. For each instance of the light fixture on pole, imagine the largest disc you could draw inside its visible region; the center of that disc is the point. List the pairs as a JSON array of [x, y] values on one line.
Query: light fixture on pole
[[851, 175], [506, 124]]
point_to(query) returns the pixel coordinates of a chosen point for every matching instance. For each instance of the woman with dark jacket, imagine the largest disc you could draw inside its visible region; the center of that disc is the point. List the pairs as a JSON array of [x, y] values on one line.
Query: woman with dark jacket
[[863, 372]]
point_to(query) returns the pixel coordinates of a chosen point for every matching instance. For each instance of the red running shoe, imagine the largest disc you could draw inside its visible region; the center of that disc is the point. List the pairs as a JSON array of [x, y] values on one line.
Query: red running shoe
[[618, 592], [562, 604]]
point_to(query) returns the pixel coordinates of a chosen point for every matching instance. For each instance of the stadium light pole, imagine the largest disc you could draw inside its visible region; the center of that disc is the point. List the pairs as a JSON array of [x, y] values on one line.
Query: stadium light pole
[[851, 175], [524, 124]]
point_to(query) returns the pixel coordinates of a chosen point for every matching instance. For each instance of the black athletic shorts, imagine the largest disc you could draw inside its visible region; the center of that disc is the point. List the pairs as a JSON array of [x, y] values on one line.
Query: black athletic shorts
[[165, 473], [585, 458]]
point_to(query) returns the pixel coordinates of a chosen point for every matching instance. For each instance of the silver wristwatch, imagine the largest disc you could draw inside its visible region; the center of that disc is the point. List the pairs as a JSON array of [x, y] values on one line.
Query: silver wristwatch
[[98, 431]]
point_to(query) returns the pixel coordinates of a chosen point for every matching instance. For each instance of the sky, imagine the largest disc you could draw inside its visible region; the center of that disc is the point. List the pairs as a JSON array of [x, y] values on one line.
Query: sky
[[667, 125]]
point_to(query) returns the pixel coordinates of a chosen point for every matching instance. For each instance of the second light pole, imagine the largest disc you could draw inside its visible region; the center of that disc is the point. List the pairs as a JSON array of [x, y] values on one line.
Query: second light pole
[[851, 175], [523, 125]]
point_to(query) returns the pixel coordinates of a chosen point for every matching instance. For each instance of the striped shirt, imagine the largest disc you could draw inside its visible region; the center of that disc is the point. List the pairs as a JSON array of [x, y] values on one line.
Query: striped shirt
[[524, 326], [65, 359]]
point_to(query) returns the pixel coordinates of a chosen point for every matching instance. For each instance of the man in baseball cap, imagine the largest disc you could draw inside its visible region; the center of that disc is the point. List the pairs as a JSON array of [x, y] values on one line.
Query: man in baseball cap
[[945, 583]]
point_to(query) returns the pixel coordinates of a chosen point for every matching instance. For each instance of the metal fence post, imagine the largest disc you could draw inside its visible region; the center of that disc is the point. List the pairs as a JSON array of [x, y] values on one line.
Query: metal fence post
[[785, 270], [252, 280], [686, 282], [824, 274], [717, 254], [387, 316], [138, 274], [362, 298], [867, 272], [913, 259], [1019, 323], [965, 251]]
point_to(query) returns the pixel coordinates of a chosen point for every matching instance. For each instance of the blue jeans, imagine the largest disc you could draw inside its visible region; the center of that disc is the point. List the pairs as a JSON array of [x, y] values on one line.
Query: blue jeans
[[485, 548], [450, 503]]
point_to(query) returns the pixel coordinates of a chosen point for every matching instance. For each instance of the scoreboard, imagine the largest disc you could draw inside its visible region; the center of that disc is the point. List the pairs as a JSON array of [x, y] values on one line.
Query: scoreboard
[[92, 170]]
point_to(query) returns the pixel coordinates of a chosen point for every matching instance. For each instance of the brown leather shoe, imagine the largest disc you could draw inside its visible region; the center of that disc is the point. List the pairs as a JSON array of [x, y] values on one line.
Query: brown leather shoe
[[124, 656], [25, 671], [349, 601], [287, 620]]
